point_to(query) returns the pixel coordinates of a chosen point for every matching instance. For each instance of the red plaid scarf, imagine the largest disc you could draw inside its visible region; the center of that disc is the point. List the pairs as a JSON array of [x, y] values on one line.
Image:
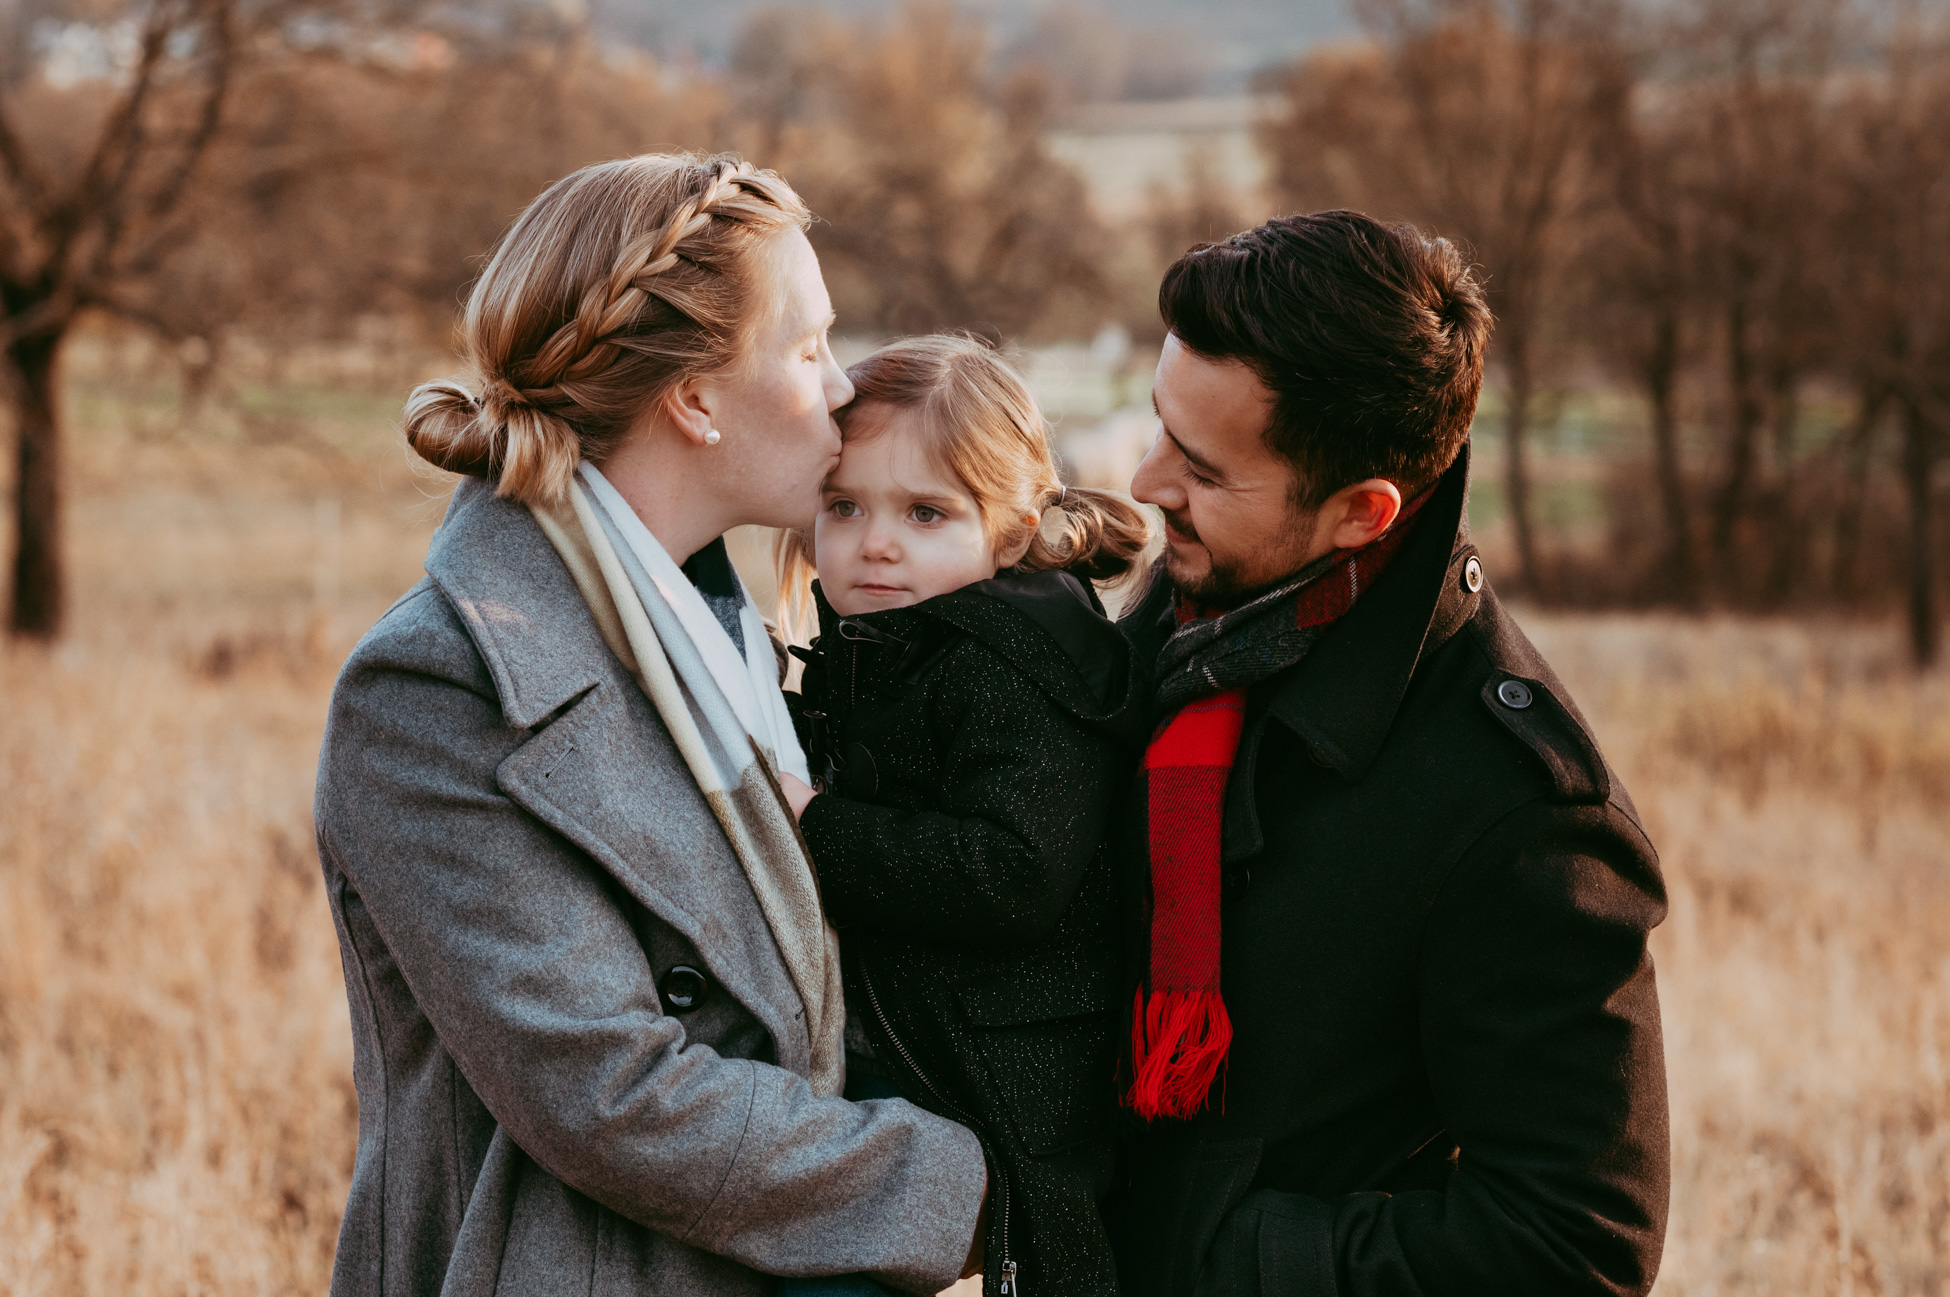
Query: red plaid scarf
[[1179, 1029]]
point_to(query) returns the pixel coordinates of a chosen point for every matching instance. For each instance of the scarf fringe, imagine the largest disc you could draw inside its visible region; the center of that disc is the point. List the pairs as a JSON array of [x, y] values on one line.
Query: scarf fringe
[[1178, 1043]]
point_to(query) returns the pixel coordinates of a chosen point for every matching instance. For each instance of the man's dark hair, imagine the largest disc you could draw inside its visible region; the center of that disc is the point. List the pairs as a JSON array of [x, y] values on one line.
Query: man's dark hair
[[1369, 336]]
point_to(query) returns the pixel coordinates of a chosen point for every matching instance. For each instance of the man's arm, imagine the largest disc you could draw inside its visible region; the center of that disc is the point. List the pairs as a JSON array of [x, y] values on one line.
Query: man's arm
[[1540, 1030]]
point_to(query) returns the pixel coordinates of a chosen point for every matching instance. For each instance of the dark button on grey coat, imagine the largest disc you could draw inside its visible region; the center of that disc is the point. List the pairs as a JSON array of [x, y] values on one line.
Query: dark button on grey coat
[[515, 855]]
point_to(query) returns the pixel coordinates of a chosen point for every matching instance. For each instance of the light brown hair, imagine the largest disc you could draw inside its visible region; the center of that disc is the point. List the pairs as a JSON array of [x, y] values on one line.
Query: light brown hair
[[981, 424], [620, 281]]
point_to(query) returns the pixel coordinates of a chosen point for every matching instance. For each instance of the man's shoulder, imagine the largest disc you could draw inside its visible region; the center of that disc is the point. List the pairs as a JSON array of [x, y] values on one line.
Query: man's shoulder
[[1490, 692]]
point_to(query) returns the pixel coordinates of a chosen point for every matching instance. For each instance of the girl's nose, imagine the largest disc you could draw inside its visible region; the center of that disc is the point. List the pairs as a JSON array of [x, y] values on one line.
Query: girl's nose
[[879, 545]]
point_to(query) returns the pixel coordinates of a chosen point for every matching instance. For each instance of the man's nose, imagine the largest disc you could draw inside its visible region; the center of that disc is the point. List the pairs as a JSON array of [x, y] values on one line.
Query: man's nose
[[1153, 484]]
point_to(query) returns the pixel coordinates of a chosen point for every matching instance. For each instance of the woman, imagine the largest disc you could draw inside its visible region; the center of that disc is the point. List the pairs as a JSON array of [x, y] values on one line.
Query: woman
[[595, 1008]]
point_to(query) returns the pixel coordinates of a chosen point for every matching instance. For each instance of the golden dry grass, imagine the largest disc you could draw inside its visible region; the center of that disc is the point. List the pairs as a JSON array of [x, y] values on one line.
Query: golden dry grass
[[176, 1110]]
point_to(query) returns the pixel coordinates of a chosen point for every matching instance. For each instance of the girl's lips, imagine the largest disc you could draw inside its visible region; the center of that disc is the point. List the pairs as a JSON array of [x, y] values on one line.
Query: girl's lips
[[881, 589]]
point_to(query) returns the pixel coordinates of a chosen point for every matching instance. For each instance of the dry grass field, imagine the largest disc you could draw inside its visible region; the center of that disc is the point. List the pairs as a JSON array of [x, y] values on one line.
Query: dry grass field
[[176, 1108]]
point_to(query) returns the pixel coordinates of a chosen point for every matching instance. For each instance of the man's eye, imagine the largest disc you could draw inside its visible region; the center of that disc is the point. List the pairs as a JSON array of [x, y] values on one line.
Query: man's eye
[[1194, 475]]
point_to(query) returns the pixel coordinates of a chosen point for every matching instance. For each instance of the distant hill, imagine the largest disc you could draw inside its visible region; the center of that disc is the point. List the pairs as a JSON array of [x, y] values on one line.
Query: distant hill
[[1237, 37]]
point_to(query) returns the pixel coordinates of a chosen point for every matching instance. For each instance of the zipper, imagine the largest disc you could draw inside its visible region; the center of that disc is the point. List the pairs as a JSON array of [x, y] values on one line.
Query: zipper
[[1010, 1286]]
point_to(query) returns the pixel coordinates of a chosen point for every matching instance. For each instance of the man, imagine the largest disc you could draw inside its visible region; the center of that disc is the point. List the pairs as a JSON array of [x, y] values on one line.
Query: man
[[1395, 1024]]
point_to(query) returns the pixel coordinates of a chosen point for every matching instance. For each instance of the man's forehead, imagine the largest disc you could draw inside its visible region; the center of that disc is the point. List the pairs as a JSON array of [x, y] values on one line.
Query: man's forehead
[[1207, 392]]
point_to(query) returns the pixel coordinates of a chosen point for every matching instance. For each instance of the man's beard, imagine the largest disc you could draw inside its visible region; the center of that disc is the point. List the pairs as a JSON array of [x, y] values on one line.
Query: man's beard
[[1226, 583]]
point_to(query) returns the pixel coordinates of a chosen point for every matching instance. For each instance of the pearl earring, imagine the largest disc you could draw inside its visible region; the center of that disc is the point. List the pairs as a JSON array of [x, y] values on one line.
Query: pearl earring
[[711, 438]]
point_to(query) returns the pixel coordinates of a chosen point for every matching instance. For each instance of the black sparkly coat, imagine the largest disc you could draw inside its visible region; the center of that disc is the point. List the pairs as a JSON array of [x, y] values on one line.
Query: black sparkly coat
[[1446, 1075], [973, 748]]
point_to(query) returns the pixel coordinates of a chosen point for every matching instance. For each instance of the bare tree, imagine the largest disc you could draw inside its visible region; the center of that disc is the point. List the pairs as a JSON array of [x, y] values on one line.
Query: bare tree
[[940, 206], [1639, 259], [92, 179], [1894, 235]]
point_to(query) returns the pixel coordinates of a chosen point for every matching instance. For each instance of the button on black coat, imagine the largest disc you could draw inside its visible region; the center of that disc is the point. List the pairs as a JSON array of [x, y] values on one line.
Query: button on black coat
[[979, 743], [1446, 1075]]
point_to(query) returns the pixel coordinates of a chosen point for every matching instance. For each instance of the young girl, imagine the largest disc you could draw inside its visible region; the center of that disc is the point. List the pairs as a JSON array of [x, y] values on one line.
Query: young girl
[[970, 716]]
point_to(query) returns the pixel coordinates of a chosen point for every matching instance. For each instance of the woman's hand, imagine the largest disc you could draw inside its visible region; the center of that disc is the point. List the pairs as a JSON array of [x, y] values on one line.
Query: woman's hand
[[797, 793]]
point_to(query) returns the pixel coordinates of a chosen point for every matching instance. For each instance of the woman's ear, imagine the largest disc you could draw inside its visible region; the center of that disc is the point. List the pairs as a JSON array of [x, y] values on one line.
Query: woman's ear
[[1007, 558], [687, 408]]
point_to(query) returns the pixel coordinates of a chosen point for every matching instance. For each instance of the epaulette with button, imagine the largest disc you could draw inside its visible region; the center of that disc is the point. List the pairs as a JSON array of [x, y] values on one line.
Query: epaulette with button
[[1529, 710]]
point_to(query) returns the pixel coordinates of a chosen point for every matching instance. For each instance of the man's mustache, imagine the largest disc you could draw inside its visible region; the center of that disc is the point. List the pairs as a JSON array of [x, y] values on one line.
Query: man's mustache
[[1180, 523]]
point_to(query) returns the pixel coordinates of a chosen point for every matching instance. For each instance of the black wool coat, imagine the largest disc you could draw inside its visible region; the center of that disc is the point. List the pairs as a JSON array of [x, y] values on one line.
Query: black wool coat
[[974, 748], [1446, 1075]]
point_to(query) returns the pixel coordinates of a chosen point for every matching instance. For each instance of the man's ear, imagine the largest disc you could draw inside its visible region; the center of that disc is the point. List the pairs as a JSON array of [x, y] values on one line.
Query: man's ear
[[1357, 515], [687, 408]]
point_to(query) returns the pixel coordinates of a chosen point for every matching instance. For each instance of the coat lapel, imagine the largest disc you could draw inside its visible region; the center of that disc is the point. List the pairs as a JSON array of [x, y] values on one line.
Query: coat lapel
[[599, 768], [1342, 698]]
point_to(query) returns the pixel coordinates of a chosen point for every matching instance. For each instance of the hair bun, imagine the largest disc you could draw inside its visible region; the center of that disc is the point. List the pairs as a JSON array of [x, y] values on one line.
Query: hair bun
[[450, 430]]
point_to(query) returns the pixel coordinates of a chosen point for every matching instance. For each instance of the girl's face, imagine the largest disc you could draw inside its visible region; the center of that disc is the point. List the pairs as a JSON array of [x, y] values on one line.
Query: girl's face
[[893, 528]]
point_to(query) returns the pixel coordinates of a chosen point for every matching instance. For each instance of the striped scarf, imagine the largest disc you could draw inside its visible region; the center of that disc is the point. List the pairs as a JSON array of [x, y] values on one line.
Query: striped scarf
[[732, 732], [1179, 1028]]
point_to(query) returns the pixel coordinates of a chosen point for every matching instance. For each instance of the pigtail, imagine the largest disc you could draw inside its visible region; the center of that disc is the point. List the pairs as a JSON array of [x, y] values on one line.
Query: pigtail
[[1099, 535]]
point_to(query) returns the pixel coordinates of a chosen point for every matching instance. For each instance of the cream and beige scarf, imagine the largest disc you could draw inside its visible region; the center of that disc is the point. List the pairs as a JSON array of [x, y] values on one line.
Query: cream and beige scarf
[[733, 759]]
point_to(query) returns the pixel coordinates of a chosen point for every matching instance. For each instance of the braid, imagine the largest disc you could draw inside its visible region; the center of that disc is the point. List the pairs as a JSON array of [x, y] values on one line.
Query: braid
[[580, 348], [672, 303]]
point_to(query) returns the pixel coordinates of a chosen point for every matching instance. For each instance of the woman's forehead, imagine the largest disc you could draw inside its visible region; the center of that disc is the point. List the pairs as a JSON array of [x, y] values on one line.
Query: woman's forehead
[[800, 299]]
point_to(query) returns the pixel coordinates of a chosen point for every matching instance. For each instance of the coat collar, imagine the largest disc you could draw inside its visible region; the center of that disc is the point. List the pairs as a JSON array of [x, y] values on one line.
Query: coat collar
[[541, 646], [1343, 697], [1050, 625], [520, 604]]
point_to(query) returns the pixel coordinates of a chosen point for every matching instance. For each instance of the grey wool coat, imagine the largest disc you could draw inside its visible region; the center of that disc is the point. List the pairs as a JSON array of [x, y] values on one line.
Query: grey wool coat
[[516, 859]]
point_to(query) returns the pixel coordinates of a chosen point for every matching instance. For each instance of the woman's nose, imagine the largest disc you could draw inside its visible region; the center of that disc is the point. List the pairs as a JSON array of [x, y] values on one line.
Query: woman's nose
[[839, 388]]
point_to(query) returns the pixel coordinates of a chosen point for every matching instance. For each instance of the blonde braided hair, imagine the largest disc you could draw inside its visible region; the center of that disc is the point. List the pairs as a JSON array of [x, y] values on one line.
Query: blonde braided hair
[[620, 281]]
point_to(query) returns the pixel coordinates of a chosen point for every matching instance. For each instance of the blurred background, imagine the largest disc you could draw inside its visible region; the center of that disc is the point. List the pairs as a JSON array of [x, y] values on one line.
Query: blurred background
[[1716, 233]]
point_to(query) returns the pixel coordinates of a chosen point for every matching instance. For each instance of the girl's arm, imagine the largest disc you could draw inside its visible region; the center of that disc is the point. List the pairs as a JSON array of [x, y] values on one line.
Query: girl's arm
[[1028, 791]]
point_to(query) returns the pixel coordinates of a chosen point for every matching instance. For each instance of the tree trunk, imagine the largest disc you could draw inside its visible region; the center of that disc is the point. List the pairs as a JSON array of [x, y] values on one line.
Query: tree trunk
[[1919, 464], [39, 584], [1746, 427], [1516, 469], [1859, 446], [1661, 372], [1787, 540]]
